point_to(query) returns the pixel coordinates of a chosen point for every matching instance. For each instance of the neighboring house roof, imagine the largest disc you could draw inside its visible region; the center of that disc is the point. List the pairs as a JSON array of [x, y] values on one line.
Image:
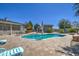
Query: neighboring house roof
[[10, 22], [48, 25]]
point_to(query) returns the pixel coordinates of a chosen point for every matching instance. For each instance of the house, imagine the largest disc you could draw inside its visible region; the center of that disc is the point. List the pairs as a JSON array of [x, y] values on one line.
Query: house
[[47, 27], [44, 28], [10, 27]]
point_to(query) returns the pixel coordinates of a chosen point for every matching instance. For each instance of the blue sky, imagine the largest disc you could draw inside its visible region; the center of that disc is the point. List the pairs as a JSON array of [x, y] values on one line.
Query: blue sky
[[48, 13]]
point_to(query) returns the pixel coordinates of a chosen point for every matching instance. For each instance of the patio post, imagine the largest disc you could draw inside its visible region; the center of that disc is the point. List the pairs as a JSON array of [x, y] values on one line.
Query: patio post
[[11, 29]]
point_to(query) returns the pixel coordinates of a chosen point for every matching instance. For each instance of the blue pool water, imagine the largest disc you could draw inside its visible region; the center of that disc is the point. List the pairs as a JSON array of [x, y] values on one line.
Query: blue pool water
[[41, 36]]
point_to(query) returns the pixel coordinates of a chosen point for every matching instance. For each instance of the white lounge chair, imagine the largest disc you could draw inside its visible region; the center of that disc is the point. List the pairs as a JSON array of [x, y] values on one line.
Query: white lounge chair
[[2, 41], [13, 52]]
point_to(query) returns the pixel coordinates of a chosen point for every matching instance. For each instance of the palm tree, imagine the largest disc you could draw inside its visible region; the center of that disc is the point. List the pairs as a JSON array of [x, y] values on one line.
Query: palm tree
[[76, 10]]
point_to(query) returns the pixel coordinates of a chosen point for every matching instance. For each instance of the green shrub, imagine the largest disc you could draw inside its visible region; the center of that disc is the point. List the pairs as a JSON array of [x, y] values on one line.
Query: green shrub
[[61, 30], [49, 30], [71, 30]]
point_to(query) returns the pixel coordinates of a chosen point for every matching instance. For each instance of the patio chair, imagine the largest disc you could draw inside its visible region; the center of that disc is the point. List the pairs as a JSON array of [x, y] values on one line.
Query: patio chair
[[76, 38], [2, 41], [13, 52]]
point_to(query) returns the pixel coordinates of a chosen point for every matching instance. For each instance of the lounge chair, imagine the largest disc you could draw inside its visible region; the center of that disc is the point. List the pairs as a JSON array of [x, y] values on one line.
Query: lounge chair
[[13, 52], [2, 50], [2, 41]]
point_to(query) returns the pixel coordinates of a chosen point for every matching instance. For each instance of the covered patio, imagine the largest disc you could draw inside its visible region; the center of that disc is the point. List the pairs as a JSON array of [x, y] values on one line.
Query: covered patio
[[9, 27]]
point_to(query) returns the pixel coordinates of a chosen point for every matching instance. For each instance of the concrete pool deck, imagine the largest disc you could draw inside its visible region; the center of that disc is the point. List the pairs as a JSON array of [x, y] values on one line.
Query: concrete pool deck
[[37, 47]]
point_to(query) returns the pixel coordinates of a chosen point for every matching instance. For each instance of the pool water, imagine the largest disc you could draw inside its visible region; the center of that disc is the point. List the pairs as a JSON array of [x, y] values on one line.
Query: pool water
[[41, 36]]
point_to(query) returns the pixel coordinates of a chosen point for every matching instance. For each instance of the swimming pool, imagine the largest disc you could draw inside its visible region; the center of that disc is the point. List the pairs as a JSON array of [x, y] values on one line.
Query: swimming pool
[[42, 36]]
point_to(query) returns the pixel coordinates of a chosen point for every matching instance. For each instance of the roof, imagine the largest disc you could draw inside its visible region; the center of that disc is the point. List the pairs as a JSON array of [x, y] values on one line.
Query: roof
[[48, 25], [10, 22]]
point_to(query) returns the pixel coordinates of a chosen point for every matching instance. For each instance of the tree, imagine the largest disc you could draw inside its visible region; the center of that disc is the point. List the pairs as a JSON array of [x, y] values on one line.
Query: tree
[[76, 25], [63, 23], [30, 23], [76, 11], [29, 26], [36, 27]]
